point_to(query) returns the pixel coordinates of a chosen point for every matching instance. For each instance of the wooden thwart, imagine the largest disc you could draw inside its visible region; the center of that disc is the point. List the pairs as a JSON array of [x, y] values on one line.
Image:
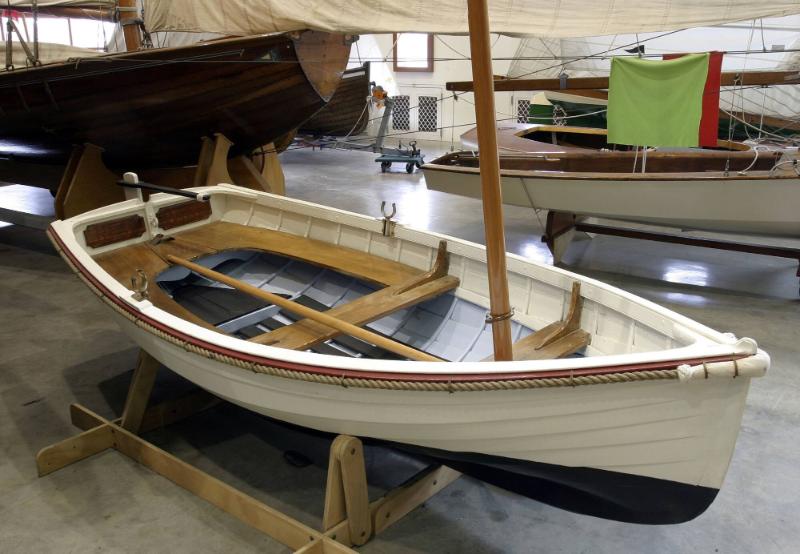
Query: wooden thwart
[[306, 312], [307, 333], [219, 236], [350, 519], [558, 339]]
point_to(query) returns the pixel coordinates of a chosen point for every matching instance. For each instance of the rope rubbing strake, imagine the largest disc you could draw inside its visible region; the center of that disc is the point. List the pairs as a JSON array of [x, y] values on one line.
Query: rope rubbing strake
[[447, 386]]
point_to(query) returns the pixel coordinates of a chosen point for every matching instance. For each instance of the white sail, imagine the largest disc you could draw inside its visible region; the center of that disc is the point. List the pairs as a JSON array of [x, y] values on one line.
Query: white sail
[[547, 18]]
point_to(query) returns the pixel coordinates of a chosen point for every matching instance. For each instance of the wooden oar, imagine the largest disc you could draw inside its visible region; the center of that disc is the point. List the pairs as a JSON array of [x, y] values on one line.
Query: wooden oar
[[304, 311]]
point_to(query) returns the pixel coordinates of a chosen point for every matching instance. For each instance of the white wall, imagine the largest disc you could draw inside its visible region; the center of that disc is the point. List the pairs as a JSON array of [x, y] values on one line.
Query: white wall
[[454, 117]]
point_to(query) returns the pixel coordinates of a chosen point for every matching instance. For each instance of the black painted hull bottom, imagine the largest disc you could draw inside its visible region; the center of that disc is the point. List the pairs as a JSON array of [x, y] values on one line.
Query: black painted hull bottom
[[595, 492]]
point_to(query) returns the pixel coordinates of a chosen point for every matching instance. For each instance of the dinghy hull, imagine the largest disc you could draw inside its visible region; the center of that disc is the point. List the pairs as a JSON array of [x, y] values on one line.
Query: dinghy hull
[[743, 204], [624, 454], [590, 434]]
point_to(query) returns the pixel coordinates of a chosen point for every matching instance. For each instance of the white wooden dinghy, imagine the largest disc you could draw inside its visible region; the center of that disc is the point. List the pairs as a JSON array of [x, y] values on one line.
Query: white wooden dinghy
[[732, 190], [614, 406]]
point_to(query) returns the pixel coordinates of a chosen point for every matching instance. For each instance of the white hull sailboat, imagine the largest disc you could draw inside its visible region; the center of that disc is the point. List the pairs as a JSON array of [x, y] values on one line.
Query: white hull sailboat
[[613, 406], [743, 192]]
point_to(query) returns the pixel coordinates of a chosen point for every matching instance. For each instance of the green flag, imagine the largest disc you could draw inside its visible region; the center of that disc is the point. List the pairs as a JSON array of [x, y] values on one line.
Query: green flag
[[656, 103]]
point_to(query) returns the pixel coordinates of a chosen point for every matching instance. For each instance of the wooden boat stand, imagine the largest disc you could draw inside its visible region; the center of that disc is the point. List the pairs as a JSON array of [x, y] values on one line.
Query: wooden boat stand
[[87, 183], [561, 227], [349, 518]]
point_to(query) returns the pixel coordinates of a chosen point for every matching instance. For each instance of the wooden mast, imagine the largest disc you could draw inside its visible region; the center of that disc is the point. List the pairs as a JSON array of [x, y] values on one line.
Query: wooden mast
[[500, 307], [127, 12]]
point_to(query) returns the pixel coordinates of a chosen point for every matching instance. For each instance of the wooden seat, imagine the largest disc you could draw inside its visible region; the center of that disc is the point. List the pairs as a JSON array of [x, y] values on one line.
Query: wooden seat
[[220, 236], [557, 340], [307, 333]]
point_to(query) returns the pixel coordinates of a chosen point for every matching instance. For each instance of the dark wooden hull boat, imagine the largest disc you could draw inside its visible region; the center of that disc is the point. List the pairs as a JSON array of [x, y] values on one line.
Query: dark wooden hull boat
[[150, 108], [346, 113]]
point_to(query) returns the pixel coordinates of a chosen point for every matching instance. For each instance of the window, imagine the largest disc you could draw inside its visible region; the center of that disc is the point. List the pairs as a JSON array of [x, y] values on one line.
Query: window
[[80, 32], [413, 52], [400, 113], [523, 110], [427, 120]]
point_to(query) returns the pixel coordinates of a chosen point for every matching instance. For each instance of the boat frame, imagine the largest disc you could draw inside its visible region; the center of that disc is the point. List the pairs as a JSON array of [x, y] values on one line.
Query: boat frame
[[349, 517]]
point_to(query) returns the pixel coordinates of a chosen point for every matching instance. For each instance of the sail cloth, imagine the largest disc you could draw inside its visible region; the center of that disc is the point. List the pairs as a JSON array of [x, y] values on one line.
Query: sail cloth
[[547, 18], [48, 53], [656, 103], [709, 120]]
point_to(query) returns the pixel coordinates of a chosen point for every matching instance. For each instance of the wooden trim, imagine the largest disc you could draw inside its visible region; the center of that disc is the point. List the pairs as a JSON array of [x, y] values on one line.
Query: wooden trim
[[184, 213], [116, 230], [400, 69], [728, 79]]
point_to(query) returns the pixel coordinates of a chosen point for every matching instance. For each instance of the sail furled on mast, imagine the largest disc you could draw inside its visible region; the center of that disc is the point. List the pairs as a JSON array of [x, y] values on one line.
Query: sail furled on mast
[[547, 18]]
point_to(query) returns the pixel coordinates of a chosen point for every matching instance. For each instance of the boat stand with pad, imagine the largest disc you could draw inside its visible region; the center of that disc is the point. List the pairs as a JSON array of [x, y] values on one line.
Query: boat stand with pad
[[561, 227], [87, 183], [349, 518]]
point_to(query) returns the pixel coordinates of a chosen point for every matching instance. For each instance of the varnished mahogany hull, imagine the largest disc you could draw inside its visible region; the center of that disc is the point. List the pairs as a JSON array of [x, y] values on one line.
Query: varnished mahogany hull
[[345, 114], [151, 108]]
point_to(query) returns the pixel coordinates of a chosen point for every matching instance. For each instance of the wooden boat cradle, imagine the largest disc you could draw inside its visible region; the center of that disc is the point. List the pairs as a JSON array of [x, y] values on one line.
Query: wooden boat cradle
[[349, 517]]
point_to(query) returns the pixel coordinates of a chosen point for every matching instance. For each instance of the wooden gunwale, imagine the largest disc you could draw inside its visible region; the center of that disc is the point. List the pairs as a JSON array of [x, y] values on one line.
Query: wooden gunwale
[[109, 297], [752, 175]]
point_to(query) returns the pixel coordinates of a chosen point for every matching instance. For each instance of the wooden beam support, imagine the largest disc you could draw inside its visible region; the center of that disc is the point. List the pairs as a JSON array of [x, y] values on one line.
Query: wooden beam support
[[212, 165], [728, 79], [139, 392], [86, 183], [74, 449], [416, 491], [346, 494], [271, 169], [320, 317], [349, 517]]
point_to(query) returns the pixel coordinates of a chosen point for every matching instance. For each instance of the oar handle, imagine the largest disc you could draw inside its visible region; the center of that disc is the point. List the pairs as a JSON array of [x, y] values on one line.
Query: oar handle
[[158, 188]]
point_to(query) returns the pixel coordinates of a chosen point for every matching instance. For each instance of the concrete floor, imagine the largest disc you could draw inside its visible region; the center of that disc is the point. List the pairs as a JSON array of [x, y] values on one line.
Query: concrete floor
[[58, 345]]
